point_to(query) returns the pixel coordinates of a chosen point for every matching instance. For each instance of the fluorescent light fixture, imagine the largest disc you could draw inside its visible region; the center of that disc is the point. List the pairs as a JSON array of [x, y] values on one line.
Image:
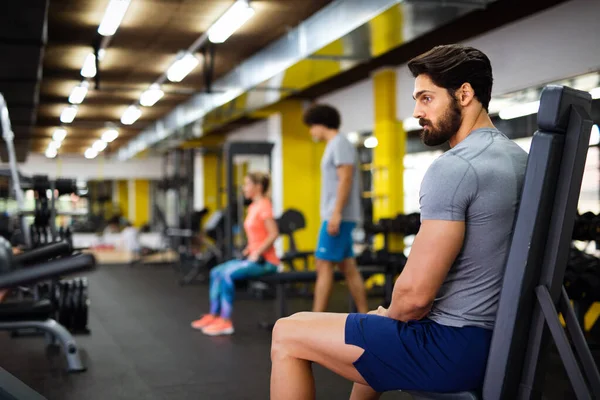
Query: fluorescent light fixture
[[90, 153], [113, 16], [151, 96], [68, 114], [54, 145], [51, 153], [183, 65], [371, 142], [78, 93], [99, 145], [236, 16], [411, 124], [595, 93], [110, 135], [520, 110], [131, 115], [595, 136], [89, 66], [59, 135]]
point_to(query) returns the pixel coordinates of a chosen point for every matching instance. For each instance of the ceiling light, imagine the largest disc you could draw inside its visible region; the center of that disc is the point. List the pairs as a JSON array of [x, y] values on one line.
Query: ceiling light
[[54, 145], [59, 135], [183, 65], [236, 16], [110, 135], [595, 93], [151, 96], [131, 115], [99, 145], [89, 66], [68, 114], [90, 153], [78, 93], [51, 153], [113, 16], [520, 110], [371, 142]]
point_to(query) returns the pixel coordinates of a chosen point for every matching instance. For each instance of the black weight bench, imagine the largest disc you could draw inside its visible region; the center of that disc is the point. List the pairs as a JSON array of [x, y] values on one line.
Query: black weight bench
[[281, 279], [532, 288]]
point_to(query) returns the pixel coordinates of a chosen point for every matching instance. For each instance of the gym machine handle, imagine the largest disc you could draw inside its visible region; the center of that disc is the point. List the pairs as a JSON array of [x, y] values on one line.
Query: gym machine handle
[[48, 270], [44, 253]]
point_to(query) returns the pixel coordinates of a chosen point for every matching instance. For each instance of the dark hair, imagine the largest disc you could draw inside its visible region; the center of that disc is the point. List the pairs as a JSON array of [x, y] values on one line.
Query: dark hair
[[449, 66], [322, 114], [260, 178]]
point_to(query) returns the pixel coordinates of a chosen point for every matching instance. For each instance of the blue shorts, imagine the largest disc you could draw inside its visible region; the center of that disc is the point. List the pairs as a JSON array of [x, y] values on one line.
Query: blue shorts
[[418, 355], [335, 248]]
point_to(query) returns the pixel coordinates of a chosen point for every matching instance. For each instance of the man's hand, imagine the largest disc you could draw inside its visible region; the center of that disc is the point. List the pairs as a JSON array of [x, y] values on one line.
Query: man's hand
[[245, 252], [333, 225], [381, 311]]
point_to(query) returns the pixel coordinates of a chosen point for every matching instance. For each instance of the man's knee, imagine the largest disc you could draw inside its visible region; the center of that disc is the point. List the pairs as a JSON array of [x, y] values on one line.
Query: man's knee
[[324, 266], [280, 337], [348, 267], [284, 331]]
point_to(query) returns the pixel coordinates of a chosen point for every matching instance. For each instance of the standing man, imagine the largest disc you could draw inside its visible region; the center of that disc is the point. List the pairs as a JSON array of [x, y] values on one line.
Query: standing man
[[340, 208]]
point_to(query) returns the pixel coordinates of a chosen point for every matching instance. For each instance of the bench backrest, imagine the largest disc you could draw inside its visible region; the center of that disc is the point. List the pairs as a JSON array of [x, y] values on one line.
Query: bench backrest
[[544, 208]]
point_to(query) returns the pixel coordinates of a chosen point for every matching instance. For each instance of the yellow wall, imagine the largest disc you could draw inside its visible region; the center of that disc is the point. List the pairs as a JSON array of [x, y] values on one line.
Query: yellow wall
[[123, 197], [142, 202]]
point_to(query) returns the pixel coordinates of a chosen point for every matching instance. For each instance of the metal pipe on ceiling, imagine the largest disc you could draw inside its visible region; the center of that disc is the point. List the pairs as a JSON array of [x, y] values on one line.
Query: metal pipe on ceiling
[[331, 23]]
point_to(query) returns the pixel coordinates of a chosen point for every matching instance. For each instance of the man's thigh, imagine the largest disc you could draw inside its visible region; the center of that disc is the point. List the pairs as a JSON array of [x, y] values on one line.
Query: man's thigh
[[319, 337]]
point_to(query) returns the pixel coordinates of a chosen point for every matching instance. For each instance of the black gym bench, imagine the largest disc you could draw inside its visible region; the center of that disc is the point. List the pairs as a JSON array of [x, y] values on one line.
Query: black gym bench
[[281, 279]]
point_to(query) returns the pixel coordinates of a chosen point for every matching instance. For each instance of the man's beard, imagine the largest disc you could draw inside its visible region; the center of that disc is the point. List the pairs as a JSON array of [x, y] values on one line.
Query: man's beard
[[448, 126]]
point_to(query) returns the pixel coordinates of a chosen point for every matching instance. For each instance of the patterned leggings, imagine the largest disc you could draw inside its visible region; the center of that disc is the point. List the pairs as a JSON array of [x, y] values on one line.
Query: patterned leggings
[[222, 288]]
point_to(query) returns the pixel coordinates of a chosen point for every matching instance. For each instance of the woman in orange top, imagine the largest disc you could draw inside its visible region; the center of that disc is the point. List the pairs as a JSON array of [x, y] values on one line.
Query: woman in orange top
[[261, 231]]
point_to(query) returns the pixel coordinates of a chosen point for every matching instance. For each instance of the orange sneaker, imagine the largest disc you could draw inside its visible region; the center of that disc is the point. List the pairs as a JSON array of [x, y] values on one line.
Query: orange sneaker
[[205, 321], [219, 327]]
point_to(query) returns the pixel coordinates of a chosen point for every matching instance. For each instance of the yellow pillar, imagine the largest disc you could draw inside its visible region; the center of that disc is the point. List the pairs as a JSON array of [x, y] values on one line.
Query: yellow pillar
[[389, 154], [388, 157], [301, 171], [210, 182], [123, 198], [142, 202]]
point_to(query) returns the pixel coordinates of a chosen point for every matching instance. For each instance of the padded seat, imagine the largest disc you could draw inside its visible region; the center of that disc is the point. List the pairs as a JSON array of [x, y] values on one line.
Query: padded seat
[[444, 396], [297, 255], [26, 311], [311, 276]]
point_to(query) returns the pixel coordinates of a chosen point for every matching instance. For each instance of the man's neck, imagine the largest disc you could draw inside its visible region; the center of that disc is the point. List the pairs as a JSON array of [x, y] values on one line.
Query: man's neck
[[481, 120], [329, 135]]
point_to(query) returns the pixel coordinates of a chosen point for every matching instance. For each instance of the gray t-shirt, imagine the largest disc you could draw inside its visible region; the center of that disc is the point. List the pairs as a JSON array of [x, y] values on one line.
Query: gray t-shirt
[[339, 151], [479, 181]]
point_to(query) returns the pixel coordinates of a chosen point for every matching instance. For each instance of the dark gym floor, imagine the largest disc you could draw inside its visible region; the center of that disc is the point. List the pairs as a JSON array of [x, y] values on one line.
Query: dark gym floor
[[141, 346]]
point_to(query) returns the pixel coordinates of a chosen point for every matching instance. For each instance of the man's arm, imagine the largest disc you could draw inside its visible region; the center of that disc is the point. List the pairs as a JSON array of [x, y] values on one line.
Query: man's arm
[[433, 252], [344, 173]]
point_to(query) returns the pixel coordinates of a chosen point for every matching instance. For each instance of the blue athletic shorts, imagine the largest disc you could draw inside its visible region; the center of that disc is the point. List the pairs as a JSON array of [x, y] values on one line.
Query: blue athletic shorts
[[335, 248], [418, 355]]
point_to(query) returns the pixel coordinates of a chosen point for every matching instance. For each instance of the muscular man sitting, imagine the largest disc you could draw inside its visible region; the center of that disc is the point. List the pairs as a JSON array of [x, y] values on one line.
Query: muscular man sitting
[[435, 335]]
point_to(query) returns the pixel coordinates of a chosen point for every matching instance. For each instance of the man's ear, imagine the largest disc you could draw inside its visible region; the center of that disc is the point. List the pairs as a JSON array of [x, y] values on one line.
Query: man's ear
[[465, 94]]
